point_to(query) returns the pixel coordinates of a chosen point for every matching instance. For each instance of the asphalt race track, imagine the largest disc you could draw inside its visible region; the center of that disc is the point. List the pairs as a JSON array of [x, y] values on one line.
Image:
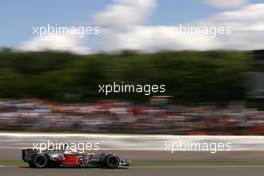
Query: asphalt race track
[[10, 149], [181, 171]]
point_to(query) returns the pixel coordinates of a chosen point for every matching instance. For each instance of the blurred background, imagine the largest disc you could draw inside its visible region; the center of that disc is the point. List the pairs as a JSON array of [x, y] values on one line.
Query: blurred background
[[207, 93], [49, 82], [214, 83]]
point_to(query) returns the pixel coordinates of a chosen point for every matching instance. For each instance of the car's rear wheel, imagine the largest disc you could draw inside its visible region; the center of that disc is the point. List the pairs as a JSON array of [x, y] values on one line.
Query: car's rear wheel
[[112, 161], [39, 161]]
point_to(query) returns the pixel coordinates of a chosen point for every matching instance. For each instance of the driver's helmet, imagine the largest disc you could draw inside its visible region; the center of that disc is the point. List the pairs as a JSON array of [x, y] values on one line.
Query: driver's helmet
[[74, 151], [70, 151]]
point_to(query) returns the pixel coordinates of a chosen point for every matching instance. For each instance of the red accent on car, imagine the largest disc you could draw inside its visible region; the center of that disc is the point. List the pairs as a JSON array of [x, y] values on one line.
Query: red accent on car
[[70, 160]]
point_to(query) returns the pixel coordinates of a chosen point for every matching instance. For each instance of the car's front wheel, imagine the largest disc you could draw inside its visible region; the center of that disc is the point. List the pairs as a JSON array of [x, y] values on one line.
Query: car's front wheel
[[112, 161]]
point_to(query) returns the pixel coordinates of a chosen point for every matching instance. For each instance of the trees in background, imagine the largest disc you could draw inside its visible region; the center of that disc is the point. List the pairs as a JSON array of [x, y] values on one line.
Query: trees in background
[[189, 76]]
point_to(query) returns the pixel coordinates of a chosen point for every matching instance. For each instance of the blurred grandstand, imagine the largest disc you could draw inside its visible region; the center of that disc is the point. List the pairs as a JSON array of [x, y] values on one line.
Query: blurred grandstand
[[124, 117]]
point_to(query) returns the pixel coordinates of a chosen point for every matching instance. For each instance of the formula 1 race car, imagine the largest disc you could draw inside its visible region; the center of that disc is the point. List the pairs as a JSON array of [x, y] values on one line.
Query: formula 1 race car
[[60, 158]]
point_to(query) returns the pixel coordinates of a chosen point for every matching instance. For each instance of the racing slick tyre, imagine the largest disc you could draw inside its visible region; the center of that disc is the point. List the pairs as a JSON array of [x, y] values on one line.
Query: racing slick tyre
[[112, 161], [39, 161]]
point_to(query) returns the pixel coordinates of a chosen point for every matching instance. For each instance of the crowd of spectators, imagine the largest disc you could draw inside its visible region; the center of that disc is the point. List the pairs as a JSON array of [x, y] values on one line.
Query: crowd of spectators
[[113, 116]]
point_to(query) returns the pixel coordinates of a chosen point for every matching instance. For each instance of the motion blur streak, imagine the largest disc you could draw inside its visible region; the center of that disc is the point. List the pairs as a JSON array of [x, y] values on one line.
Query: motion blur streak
[[129, 142]]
